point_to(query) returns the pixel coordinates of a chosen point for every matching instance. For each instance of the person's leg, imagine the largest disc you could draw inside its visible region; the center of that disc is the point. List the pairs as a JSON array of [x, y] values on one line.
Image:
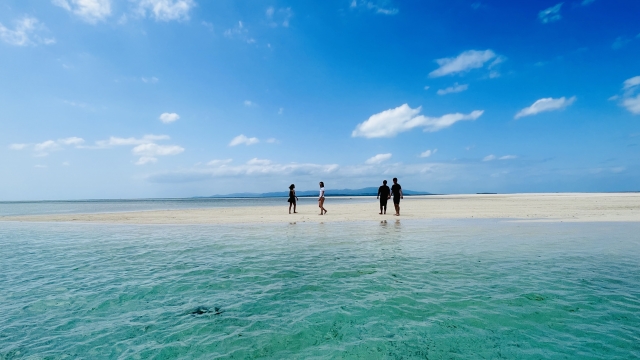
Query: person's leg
[[381, 207], [396, 204], [290, 203], [320, 201], [294, 207]]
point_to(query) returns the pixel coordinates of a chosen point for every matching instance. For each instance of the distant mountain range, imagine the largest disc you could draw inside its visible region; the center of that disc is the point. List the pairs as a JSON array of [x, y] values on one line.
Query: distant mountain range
[[369, 191]]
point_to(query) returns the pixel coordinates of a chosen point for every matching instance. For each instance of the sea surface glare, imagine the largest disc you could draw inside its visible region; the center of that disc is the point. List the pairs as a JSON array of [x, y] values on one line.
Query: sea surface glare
[[407, 290]]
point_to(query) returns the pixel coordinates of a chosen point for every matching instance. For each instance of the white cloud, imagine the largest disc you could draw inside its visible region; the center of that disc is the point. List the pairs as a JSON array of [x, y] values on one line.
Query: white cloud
[[151, 80], [152, 149], [428, 153], [166, 10], [377, 6], [629, 99], [17, 146], [25, 33], [378, 159], [632, 104], [546, 104], [71, 141], [256, 161], [391, 122], [551, 14], [239, 32], [242, 139], [631, 83], [146, 160], [219, 162], [90, 11], [280, 17], [249, 103], [456, 88], [489, 158], [508, 157], [117, 141], [426, 87], [169, 117], [466, 61], [43, 148]]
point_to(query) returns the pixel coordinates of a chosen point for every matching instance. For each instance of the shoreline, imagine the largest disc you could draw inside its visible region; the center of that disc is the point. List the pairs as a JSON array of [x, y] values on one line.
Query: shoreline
[[566, 207]]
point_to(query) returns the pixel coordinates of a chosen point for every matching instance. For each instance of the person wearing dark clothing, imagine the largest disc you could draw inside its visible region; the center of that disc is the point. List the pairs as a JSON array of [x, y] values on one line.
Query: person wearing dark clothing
[[384, 194], [396, 190], [292, 198]]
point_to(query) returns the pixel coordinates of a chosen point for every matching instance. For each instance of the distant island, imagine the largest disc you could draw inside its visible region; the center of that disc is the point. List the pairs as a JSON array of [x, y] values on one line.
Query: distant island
[[369, 191]]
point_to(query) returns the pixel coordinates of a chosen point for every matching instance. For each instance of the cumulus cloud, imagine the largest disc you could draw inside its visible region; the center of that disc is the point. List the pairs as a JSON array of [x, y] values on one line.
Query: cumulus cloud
[[152, 149], [489, 158], [242, 139], [25, 33], [465, 62], [168, 118], [551, 14], [90, 11], [456, 88], [280, 17], [166, 10], [378, 6], [144, 147], [428, 153], [546, 104], [45, 147], [146, 160], [378, 159], [391, 122]]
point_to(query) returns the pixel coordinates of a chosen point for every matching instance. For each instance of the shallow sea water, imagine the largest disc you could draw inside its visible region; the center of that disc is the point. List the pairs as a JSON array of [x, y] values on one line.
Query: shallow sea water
[[407, 290]]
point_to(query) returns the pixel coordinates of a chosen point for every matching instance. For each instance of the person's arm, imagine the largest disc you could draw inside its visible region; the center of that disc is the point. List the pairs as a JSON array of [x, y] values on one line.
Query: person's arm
[[378, 197], [401, 196], [294, 194]]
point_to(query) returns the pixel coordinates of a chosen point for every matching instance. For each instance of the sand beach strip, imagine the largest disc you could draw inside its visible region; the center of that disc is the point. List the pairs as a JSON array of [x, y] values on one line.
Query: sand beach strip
[[567, 207]]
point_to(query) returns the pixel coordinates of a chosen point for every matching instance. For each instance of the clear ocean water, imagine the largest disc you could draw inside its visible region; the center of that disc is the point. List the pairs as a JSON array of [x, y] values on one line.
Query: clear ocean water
[[407, 290]]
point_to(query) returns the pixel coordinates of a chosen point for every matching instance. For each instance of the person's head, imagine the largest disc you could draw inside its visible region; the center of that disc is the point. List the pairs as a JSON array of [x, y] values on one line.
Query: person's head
[[291, 187], [384, 182], [395, 180], [321, 184]]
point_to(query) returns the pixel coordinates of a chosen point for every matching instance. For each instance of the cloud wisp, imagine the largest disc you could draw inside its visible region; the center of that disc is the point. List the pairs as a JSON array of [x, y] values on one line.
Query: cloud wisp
[[456, 88], [377, 159], [390, 123], [279, 17], [465, 62], [630, 98], [551, 14], [166, 10], [25, 33], [168, 118], [145, 147], [544, 105], [90, 11], [428, 153], [378, 6], [242, 139], [239, 32], [48, 146]]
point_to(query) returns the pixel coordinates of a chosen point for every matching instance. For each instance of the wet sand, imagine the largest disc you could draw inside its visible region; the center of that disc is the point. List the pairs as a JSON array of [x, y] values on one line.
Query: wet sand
[[574, 207]]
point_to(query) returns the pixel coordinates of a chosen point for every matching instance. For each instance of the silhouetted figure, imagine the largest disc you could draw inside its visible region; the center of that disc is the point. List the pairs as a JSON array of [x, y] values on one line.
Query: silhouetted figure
[[396, 190], [293, 199], [384, 194]]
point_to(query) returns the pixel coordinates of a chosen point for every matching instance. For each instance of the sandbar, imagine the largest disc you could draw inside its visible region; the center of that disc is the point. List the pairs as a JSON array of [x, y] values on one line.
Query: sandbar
[[556, 207]]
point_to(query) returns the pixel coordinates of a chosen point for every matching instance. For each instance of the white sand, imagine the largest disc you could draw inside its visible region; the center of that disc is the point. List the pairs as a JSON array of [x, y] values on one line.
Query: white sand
[[532, 207]]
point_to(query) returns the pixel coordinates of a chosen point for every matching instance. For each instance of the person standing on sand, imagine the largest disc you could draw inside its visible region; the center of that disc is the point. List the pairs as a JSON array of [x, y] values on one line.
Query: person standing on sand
[[384, 194], [292, 199], [396, 190], [321, 199]]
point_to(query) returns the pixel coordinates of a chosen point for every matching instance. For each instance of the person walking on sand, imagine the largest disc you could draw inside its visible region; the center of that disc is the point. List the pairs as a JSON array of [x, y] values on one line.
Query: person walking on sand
[[321, 199], [384, 194], [396, 190], [293, 199]]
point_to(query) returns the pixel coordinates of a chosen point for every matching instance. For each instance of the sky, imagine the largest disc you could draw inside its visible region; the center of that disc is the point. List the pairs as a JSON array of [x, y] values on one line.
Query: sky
[[103, 99]]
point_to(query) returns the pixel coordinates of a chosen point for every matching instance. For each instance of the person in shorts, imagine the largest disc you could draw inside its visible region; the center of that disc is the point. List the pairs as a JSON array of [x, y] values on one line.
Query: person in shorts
[[396, 191], [384, 194]]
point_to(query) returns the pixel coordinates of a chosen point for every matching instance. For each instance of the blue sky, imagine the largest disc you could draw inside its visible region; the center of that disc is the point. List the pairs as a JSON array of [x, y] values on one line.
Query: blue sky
[[179, 98]]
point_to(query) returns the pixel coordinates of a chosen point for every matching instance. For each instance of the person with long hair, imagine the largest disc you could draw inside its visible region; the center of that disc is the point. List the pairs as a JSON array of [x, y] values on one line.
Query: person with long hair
[[293, 199], [321, 199]]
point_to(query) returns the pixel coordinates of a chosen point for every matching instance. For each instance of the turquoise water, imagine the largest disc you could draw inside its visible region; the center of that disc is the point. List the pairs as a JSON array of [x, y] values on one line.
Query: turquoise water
[[415, 289]]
